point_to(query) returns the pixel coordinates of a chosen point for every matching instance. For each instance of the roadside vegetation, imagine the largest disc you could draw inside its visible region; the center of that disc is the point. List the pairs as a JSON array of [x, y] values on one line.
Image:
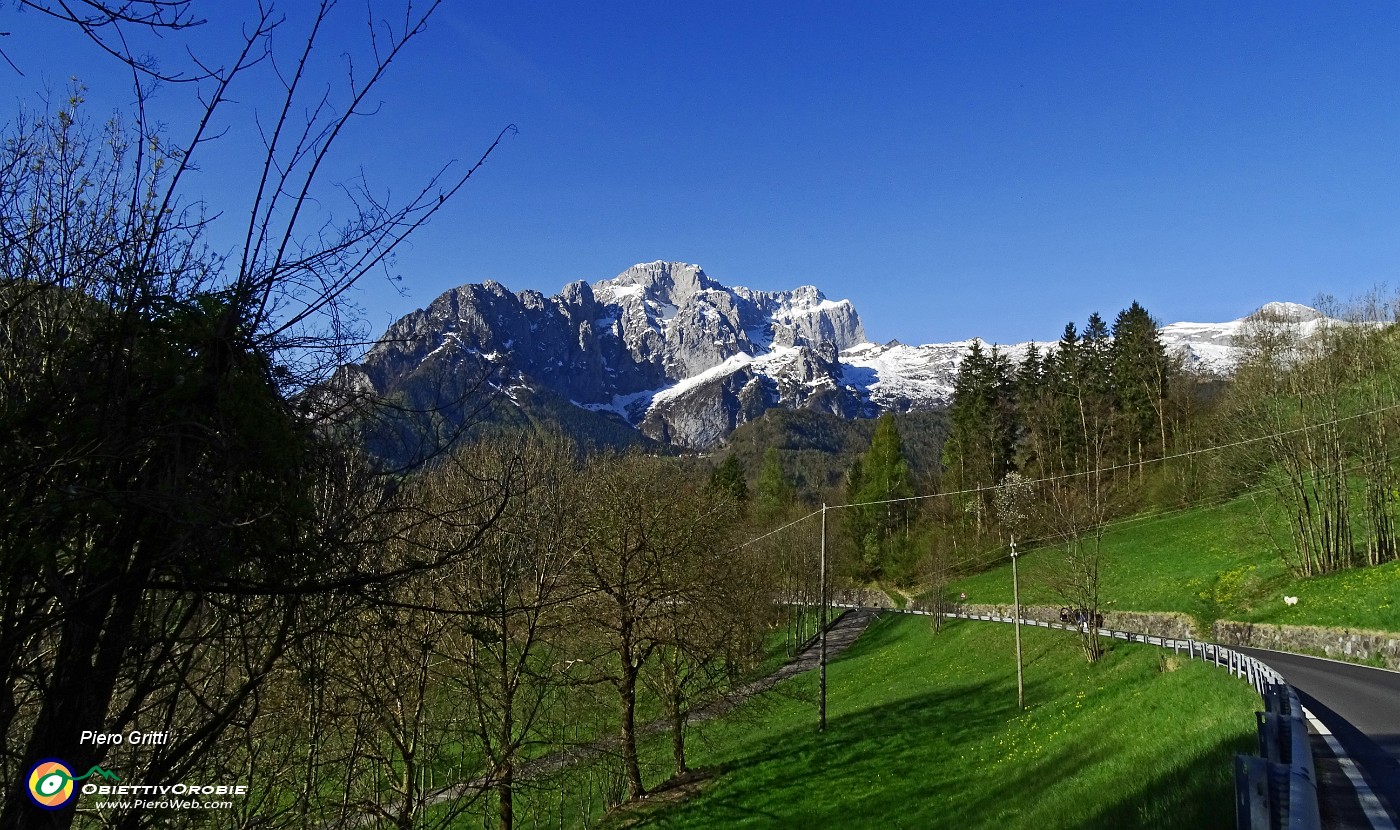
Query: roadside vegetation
[[1129, 482]]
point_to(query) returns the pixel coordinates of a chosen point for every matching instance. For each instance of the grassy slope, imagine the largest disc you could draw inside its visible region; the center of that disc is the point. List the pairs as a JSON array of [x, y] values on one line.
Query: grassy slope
[[1212, 563], [924, 733]]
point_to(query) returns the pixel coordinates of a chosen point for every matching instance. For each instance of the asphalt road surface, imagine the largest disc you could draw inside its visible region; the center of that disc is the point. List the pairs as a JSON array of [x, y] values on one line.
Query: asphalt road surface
[[1359, 704]]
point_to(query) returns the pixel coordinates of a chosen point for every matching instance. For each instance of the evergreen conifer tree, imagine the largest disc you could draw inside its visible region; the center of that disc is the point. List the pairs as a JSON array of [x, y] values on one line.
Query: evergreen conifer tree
[[1141, 375], [775, 493], [1032, 407], [880, 525], [1062, 370], [729, 477], [982, 422], [1096, 393]]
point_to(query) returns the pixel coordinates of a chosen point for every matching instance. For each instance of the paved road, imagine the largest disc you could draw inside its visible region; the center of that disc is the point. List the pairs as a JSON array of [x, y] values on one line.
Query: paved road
[[1359, 704]]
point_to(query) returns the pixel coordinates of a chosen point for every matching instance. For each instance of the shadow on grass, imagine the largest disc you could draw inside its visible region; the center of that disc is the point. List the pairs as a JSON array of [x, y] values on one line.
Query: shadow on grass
[[882, 633], [1195, 791], [937, 759], [861, 756], [893, 766]]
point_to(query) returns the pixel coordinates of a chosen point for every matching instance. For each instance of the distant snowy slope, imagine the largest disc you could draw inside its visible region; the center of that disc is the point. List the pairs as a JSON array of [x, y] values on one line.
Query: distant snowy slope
[[1211, 347], [899, 377]]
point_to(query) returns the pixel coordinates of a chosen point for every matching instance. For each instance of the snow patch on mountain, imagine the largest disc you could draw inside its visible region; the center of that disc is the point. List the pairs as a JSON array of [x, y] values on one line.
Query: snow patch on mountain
[[1213, 348], [725, 369], [901, 377]]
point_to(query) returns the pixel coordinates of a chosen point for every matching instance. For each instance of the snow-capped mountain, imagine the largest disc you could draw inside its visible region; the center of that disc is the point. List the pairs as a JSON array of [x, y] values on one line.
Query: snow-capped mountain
[[685, 359], [1210, 347], [662, 346], [901, 377]]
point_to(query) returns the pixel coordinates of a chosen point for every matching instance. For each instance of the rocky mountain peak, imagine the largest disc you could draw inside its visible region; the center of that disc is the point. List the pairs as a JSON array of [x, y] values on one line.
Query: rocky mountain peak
[[647, 346], [670, 283], [578, 295]]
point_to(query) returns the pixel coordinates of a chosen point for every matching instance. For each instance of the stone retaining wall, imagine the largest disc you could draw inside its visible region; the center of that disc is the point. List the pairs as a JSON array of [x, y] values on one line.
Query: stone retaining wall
[[1334, 642], [1158, 625], [1339, 643], [864, 597]]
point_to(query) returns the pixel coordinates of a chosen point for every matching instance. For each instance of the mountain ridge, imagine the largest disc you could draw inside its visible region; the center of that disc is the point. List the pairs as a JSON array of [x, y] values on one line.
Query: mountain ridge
[[684, 359]]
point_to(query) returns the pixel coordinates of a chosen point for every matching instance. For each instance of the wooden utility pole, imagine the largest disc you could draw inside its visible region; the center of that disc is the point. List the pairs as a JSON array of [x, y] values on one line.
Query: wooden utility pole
[[821, 590], [1016, 612]]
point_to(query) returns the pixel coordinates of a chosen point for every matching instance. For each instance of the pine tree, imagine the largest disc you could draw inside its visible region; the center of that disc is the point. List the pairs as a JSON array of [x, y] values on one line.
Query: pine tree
[[880, 524], [1033, 434], [1062, 375], [1141, 376], [729, 477], [982, 422], [775, 493], [1096, 391]]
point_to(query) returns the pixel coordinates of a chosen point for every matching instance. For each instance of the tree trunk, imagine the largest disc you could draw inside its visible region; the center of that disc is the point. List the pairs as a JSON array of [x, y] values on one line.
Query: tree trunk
[[676, 709], [505, 788], [505, 797], [627, 691], [84, 678]]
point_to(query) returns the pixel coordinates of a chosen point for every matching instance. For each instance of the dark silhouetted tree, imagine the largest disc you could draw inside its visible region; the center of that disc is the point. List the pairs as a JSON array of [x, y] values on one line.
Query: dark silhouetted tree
[[730, 478]]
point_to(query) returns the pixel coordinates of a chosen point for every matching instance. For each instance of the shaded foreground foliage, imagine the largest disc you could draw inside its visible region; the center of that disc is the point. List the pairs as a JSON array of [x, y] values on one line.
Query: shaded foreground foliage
[[192, 544]]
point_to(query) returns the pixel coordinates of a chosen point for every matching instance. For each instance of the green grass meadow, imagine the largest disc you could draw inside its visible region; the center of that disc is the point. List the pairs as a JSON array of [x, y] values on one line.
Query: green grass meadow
[[924, 733], [1211, 563]]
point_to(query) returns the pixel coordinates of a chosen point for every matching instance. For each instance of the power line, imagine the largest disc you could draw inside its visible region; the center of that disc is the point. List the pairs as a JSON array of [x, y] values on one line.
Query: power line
[[992, 556], [1130, 465], [778, 530], [1096, 472]]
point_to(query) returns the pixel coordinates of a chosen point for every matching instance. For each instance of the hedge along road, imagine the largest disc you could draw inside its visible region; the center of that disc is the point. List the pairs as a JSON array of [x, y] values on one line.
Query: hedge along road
[[1360, 705]]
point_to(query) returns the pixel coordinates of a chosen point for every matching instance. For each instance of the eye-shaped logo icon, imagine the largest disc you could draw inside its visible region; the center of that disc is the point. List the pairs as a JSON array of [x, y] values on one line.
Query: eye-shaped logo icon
[[50, 784]]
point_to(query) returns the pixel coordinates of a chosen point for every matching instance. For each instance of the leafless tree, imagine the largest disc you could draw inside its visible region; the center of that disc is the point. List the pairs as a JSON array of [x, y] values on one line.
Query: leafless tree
[[645, 522], [170, 493], [711, 632], [505, 655], [1075, 511], [1369, 355], [1290, 394], [111, 25]]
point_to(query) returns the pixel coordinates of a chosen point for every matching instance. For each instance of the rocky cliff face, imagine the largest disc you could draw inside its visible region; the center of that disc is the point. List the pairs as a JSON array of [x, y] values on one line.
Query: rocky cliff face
[[685, 359], [662, 345]]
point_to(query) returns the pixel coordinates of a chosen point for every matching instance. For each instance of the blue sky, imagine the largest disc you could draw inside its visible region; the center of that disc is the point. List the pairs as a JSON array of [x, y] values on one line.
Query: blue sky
[[956, 169]]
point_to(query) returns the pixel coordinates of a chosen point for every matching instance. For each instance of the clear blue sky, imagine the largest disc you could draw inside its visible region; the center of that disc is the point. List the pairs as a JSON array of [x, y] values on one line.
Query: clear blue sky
[[956, 169]]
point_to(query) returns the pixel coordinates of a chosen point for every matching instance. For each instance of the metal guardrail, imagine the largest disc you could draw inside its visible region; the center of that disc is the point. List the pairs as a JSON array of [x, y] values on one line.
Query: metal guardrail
[[1276, 790]]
